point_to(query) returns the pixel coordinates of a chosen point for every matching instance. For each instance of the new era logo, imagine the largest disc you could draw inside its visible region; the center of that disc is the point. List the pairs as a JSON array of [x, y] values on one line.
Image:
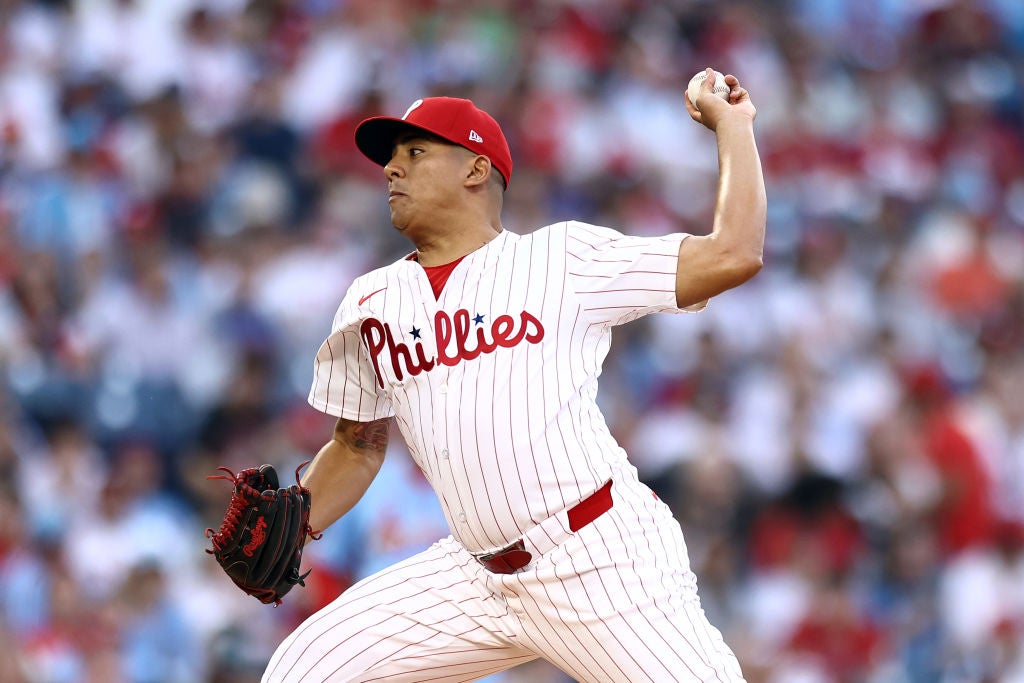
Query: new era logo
[[475, 137]]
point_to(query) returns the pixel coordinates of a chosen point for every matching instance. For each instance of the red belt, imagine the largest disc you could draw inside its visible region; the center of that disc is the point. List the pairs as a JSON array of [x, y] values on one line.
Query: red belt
[[512, 558]]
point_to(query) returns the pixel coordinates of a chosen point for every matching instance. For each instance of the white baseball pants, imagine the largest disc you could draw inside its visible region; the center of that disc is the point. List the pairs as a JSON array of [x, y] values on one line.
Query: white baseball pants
[[614, 602]]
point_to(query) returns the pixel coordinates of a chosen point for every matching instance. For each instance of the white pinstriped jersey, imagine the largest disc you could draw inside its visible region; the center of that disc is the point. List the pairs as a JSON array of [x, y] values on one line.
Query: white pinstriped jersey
[[494, 383]]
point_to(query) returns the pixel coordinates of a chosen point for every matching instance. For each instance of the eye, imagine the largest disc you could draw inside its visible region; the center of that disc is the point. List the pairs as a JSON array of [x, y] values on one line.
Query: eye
[[415, 151]]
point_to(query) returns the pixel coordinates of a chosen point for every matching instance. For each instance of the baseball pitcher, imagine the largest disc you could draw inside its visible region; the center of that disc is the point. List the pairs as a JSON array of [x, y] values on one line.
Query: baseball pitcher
[[485, 347]]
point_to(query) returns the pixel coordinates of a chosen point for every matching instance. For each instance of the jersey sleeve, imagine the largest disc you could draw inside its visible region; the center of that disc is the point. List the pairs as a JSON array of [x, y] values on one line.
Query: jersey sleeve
[[618, 278], [344, 384]]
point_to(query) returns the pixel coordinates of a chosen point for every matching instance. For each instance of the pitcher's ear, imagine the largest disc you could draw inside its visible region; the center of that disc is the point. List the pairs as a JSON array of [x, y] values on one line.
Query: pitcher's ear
[[480, 170]]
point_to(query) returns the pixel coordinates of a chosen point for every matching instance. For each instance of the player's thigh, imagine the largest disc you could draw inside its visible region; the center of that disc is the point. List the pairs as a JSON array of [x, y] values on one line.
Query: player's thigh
[[653, 641], [423, 614], [659, 643], [620, 604]]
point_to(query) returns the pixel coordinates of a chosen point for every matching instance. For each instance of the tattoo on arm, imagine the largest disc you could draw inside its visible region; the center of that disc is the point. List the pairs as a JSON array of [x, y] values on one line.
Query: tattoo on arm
[[364, 435], [372, 435]]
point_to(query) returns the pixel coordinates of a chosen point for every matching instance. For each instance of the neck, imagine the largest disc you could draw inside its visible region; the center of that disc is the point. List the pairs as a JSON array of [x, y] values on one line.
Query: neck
[[443, 248]]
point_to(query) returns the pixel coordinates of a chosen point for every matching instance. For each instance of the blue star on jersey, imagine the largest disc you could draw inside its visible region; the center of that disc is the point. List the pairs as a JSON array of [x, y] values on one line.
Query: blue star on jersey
[[478, 319]]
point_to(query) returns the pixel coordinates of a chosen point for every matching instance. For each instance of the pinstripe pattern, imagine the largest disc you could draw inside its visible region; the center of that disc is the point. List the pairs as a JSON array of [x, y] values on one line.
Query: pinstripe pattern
[[614, 602], [494, 386], [395, 624], [510, 437]]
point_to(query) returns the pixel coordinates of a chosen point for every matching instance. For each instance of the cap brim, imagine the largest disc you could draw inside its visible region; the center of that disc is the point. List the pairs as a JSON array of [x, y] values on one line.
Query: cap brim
[[375, 137]]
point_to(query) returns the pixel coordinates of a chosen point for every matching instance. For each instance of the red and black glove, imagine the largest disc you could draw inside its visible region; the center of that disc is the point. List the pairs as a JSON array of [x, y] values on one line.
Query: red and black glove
[[260, 541]]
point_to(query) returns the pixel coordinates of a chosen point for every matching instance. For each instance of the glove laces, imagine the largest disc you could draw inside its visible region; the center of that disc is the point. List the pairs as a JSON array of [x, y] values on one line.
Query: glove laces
[[237, 505]]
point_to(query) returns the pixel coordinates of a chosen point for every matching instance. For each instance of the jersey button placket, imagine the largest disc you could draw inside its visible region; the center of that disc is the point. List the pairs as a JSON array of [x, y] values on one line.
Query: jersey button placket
[[439, 389]]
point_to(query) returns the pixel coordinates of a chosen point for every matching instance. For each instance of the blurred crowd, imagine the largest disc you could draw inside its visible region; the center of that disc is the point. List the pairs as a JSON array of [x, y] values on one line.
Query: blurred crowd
[[182, 208]]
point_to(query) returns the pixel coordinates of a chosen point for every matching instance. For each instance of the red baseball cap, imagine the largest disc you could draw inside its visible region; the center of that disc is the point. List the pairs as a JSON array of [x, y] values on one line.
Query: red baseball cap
[[456, 120]]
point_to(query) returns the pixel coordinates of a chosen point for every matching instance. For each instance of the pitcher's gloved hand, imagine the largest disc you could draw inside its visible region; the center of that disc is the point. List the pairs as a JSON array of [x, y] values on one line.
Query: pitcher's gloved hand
[[259, 544]]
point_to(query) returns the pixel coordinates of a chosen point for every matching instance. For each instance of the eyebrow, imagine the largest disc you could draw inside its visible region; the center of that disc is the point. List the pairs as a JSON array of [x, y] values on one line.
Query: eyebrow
[[405, 138]]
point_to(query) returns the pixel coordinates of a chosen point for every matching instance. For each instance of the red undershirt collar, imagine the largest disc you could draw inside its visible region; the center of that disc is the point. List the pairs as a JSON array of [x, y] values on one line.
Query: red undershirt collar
[[438, 275]]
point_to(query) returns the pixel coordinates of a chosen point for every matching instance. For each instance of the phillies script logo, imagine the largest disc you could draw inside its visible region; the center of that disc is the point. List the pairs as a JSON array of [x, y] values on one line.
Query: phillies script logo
[[456, 341], [259, 534]]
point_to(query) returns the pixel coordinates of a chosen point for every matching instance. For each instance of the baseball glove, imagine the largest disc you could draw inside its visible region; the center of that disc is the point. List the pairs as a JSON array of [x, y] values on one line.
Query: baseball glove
[[260, 541]]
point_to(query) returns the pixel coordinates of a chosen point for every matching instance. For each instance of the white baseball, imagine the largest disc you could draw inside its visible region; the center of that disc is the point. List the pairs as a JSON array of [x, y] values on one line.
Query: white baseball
[[693, 88]]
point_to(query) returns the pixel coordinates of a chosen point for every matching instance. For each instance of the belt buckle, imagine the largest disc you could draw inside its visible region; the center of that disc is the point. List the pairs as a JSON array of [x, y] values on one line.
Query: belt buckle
[[518, 545], [499, 562]]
